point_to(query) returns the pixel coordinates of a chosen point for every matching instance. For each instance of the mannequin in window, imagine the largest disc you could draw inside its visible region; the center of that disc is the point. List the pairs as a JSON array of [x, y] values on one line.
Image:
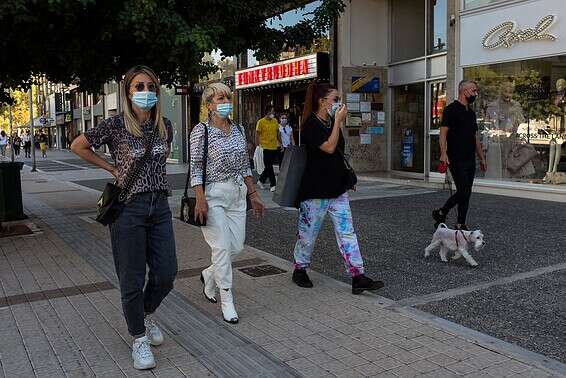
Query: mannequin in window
[[506, 115]]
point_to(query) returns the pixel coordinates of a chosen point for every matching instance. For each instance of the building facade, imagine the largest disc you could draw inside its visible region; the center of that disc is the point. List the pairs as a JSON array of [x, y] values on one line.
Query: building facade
[[399, 64]]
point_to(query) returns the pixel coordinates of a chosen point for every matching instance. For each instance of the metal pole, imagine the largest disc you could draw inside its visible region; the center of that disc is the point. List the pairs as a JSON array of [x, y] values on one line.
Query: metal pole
[[33, 167], [11, 138]]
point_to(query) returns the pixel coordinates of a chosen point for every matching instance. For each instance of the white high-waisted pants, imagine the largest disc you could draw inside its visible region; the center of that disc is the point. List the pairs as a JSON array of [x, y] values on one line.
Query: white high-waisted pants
[[225, 229]]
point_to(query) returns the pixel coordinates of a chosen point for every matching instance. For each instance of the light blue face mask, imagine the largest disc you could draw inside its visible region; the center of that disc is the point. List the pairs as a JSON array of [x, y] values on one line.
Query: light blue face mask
[[333, 109], [223, 110], [144, 100]]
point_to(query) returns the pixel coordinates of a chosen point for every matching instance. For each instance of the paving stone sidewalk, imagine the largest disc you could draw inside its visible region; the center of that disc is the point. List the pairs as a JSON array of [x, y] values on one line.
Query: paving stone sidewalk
[[60, 315]]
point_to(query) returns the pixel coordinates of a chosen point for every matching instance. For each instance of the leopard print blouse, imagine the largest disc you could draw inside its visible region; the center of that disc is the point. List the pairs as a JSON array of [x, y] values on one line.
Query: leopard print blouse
[[126, 148]]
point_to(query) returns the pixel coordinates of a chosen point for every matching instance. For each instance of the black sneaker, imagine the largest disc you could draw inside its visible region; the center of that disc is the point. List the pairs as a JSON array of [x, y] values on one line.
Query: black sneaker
[[301, 278], [462, 227], [361, 283], [438, 217]]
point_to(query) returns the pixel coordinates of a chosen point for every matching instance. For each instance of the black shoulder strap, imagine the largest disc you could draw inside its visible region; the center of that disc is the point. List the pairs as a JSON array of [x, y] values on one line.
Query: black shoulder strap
[[204, 162], [134, 172], [340, 152]]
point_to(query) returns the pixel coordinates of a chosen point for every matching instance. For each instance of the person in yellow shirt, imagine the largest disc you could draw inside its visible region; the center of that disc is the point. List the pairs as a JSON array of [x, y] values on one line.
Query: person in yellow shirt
[[267, 130]]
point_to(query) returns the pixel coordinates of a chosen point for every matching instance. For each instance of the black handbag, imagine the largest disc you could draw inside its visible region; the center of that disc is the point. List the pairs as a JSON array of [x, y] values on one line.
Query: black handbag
[[350, 177], [111, 202], [188, 204]]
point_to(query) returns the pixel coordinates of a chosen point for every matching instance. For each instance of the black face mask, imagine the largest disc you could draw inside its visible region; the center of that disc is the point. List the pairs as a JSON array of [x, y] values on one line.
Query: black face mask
[[471, 99]]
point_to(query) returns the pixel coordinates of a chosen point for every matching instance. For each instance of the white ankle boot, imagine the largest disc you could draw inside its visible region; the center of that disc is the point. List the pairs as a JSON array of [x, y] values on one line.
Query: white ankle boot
[[142, 355], [209, 286], [227, 302]]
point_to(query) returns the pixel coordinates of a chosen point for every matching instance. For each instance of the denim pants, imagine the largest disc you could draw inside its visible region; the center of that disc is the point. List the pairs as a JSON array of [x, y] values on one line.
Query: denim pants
[[311, 215], [463, 173], [143, 235], [225, 229]]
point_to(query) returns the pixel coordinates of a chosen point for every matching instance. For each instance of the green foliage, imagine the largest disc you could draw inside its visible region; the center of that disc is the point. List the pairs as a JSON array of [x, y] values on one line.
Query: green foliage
[[89, 42]]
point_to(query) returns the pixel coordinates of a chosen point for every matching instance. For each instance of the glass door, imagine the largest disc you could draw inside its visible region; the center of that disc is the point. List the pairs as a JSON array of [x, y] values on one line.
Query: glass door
[[408, 128]]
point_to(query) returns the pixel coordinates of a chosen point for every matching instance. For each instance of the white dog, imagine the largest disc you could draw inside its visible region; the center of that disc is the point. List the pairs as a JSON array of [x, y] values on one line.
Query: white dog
[[455, 240]]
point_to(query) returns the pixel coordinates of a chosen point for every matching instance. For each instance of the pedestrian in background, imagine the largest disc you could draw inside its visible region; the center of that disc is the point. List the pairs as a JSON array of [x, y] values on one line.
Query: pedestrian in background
[[3, 143], [142, 235], [267, 130], [26, 139], [459, 144], [285, 136], [222, 202], [16, 143], [43, 144], [324, 188]]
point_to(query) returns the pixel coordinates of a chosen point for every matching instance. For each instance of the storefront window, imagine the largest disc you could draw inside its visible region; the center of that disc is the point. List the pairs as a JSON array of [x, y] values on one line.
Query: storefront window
[[521, 116], [437, 103], [170, 108], [408, 27], [437, 27], [408, 128], [469, 4]]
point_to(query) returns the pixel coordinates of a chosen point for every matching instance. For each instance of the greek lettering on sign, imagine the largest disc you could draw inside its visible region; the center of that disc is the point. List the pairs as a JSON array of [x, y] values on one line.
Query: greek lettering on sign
[[506, 34]]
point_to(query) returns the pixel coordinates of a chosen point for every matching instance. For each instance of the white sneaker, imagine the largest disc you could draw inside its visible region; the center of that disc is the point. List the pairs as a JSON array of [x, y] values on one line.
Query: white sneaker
[[272, 189], [142, 355], [260, 185], [152, 331], [229, 313]]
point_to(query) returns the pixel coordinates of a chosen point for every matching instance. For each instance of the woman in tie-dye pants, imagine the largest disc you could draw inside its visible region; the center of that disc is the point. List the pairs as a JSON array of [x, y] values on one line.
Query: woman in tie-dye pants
[[311, 215], [324, 188]]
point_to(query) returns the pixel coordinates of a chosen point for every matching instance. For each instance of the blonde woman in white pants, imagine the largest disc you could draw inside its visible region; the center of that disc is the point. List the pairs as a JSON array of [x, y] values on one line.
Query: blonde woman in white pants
[[222, 203]]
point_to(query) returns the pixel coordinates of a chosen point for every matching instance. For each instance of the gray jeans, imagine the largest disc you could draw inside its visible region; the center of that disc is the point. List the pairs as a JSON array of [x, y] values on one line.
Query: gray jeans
[[143, 235]]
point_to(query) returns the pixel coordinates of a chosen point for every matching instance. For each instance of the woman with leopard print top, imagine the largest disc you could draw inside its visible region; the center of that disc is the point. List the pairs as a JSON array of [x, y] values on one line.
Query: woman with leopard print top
[[221, 200], [143, 232]]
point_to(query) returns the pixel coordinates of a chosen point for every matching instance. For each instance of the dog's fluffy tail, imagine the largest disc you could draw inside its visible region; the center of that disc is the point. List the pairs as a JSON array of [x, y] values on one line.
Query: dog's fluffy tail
[[442, 225]]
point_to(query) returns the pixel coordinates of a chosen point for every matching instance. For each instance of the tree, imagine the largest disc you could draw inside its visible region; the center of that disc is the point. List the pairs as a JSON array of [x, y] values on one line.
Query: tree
[[20, 111], [89, 42]]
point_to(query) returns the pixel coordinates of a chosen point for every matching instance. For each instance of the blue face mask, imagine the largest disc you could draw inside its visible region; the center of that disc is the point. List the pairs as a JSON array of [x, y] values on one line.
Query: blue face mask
[[333, 109], [144, 100], [223, 110]]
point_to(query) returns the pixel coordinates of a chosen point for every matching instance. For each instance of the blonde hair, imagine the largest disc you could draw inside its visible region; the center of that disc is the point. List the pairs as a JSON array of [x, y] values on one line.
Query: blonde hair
[[213, 89], [131, 122]]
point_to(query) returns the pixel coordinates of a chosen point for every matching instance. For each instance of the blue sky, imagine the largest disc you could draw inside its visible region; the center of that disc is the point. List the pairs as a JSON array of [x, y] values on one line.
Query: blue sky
[[287, 19]]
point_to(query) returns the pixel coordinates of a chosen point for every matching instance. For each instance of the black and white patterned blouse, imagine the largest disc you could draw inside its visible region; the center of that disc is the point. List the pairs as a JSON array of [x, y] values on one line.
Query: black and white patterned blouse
[[127, 148], [227, 154]]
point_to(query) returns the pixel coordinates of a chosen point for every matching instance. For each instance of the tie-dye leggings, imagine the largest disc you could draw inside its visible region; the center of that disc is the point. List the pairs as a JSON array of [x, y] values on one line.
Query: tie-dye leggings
[[311, 216]]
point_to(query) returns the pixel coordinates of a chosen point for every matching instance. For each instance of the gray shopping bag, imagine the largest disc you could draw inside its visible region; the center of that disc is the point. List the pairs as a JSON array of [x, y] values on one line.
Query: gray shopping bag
[[290, 176]]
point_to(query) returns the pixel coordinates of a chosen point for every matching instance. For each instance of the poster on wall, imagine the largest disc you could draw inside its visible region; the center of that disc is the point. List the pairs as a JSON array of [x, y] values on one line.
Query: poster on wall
[[376, 130], [353, 97], [354, 120], [365, 138], [366, 84], [353, 106], [365, 106]]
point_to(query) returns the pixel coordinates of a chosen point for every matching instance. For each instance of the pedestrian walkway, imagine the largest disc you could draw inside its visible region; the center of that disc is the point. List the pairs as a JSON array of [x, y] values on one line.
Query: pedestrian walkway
[[60, 314]]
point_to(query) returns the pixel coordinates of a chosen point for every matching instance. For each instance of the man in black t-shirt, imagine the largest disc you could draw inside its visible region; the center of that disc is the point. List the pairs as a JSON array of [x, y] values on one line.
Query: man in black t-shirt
[[459, 144]]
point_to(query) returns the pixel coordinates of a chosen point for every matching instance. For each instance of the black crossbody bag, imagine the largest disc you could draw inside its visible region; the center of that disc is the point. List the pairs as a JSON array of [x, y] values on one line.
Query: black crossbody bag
[[188, 204], [111, 202]]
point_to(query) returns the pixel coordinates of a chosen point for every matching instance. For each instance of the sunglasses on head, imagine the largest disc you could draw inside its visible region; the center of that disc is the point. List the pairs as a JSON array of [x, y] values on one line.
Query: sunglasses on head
[[140, 86]]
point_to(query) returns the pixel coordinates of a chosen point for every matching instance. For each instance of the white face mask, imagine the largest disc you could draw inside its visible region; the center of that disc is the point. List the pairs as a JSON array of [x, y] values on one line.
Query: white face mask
[[283, 121], [270, 116]]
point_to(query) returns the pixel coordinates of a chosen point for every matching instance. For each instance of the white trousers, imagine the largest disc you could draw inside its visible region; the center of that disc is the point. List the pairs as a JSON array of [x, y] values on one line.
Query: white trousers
[[225, 229]]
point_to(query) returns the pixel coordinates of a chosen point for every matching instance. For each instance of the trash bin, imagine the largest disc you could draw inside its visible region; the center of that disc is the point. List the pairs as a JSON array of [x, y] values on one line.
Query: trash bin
[[11, 207]]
